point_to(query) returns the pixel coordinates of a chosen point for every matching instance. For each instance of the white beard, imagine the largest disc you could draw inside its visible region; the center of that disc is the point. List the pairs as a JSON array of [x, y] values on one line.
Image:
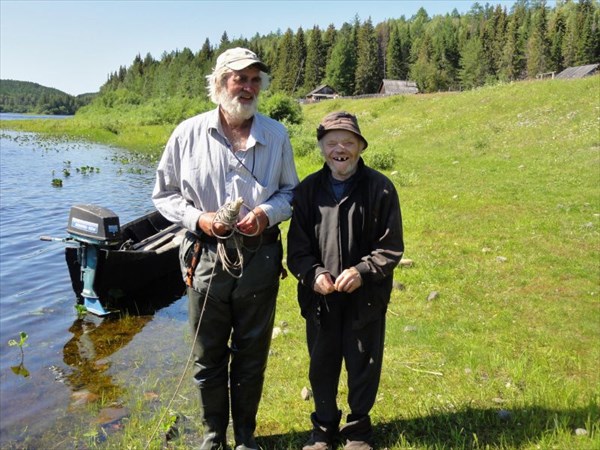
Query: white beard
[[234, 108]]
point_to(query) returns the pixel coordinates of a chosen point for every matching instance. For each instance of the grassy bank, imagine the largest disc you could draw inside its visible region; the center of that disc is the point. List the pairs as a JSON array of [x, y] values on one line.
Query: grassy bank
[[493, 332], [148, 139]]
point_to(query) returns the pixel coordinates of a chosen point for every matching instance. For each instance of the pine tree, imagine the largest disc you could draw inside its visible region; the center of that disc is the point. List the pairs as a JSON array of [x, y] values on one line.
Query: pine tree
[[556, 33], [571, 36], [496, 31], [298, 59], [329, 39], [285, 72], [205, 54], [419, 23], [224, 44], [473, 71], [423, 70], [315, 58], [538, 47], [367, 76], [512, 63], [149, 65], [341, 66], [406, 45], [394, 68], [587, 45], [446, 51]]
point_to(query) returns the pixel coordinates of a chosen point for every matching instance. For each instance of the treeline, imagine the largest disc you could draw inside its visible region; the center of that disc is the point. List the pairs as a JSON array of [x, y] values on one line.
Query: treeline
[[28, 97], [488, 44]]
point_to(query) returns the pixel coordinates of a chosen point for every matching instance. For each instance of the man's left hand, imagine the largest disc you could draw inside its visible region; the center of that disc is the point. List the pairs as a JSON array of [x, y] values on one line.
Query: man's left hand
[[348, 281], [253, 223]]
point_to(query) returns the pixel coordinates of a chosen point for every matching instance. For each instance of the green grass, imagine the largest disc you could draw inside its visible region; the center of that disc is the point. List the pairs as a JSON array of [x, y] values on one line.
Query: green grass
[[119, 131], [500, 194]]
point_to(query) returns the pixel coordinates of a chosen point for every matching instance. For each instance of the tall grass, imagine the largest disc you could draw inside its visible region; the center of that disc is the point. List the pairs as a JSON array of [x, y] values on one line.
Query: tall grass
[[501, 203]]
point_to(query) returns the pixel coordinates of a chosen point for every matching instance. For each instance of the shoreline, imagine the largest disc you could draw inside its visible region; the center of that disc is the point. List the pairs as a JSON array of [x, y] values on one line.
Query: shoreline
[[147, 139]]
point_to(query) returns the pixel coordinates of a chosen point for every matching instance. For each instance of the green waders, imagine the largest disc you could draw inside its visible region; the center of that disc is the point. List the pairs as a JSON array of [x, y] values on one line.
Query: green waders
[[232, 346]]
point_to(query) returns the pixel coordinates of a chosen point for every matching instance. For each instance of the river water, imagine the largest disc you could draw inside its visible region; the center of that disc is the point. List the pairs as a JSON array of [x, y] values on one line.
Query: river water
[[67, 360]]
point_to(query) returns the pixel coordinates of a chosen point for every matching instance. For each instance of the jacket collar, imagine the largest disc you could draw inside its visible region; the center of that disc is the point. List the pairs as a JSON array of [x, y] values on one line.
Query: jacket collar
[[354, 180]]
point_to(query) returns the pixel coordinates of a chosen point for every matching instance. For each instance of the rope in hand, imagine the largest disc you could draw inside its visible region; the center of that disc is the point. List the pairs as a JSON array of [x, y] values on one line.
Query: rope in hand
[[228, 216]]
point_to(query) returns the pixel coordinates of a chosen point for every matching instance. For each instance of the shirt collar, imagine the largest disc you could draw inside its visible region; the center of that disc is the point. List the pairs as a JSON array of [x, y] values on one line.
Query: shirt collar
[[257, 131]]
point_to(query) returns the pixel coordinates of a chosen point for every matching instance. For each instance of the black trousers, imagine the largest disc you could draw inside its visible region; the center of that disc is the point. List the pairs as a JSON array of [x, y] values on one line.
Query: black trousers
[[236, 322], [331, 341]]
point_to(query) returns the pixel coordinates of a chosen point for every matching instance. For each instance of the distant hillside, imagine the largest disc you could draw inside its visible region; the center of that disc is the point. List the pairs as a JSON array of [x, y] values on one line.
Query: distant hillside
[[28, 97]]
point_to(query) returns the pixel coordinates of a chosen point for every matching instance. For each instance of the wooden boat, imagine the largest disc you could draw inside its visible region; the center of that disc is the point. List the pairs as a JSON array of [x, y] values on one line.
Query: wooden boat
[[133, 267]]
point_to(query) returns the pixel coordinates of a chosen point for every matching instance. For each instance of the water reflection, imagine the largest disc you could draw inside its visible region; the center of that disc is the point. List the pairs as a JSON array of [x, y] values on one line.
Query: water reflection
[[95, 339]]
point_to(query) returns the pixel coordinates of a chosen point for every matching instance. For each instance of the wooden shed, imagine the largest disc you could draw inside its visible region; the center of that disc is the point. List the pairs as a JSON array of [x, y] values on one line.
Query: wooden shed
[[321, 93], [579, 71], [391, 87]]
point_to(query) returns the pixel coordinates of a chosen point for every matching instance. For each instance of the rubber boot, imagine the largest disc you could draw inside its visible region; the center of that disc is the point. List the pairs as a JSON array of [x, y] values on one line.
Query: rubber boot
[[322, 434], [244, 407], [358, 433], [214, 410]]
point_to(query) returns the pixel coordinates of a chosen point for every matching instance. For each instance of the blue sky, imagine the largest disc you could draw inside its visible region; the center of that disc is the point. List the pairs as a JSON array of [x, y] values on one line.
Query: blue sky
[[74, 45]]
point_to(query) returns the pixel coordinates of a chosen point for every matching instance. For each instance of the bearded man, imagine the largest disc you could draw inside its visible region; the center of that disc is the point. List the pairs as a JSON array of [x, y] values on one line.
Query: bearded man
[[210, 160]]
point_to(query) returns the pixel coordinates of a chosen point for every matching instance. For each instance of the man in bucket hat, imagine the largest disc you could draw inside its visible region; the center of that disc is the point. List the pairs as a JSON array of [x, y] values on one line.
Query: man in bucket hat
[[344, 241], [211, 160]]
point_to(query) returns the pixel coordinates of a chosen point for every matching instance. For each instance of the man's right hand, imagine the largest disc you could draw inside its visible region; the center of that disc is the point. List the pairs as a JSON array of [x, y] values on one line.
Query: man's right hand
[[324, 284], [205, 223]]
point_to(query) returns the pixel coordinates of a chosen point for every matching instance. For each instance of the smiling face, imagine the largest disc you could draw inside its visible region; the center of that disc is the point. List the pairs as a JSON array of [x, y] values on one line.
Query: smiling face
[[341, 150], [238, 95]]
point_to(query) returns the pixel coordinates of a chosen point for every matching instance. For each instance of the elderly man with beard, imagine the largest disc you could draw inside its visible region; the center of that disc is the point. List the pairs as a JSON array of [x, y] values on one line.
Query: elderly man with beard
[[210, 160]]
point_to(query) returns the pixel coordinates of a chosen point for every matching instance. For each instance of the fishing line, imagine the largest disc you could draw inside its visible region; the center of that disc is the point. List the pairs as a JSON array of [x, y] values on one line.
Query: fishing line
[[187, 363]]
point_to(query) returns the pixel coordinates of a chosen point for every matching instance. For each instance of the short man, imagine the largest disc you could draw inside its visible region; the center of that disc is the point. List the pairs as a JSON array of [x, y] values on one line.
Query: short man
[[211, 160], [345, 240]]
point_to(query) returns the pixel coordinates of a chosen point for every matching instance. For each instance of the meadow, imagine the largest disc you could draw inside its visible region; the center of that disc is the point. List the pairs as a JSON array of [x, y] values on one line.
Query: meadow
[[493, 329]]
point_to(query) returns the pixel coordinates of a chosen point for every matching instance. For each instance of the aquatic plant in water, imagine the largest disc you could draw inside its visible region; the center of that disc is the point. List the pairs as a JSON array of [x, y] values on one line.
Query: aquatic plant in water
[[20, 369], [81, 310]]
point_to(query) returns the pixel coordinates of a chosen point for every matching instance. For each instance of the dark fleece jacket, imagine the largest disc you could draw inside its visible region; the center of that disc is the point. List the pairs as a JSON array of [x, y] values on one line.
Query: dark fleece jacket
[[362, 230]]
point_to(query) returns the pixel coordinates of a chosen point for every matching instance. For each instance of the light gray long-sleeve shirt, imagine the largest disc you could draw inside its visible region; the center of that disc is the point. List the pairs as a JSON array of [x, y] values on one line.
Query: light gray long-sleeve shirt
[[198, 171]]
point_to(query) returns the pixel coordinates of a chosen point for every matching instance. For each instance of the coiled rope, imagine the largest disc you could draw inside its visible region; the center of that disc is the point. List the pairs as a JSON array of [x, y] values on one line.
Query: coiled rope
[[228, 216]]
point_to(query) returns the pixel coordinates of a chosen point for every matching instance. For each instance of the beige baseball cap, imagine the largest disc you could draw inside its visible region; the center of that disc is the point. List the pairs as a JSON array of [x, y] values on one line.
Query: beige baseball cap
[[239, 58]]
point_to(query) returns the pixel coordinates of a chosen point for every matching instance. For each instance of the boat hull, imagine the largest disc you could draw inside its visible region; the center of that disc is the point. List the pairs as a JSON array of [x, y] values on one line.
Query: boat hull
[[141, 272]]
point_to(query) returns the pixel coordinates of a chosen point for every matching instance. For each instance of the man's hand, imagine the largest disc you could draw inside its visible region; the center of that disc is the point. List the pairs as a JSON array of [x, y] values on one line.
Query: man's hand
[[348, 281], [253, 223], [205, 223], [324, 284]]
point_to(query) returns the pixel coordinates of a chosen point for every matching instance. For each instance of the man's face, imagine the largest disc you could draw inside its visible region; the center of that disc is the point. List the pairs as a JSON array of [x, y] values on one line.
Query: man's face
[[239, 96], [341, 150]]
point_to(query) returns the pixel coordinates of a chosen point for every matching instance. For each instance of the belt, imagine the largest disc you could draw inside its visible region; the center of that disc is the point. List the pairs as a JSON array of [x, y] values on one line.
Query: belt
[[269, 236]]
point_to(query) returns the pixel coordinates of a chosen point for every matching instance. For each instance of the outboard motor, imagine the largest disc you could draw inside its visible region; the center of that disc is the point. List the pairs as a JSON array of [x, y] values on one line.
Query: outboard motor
[[94, 228]]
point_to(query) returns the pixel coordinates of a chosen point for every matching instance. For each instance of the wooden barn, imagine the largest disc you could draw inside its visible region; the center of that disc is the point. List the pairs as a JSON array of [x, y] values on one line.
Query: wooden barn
[[392, 87], [578, 71], [322, 92]]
